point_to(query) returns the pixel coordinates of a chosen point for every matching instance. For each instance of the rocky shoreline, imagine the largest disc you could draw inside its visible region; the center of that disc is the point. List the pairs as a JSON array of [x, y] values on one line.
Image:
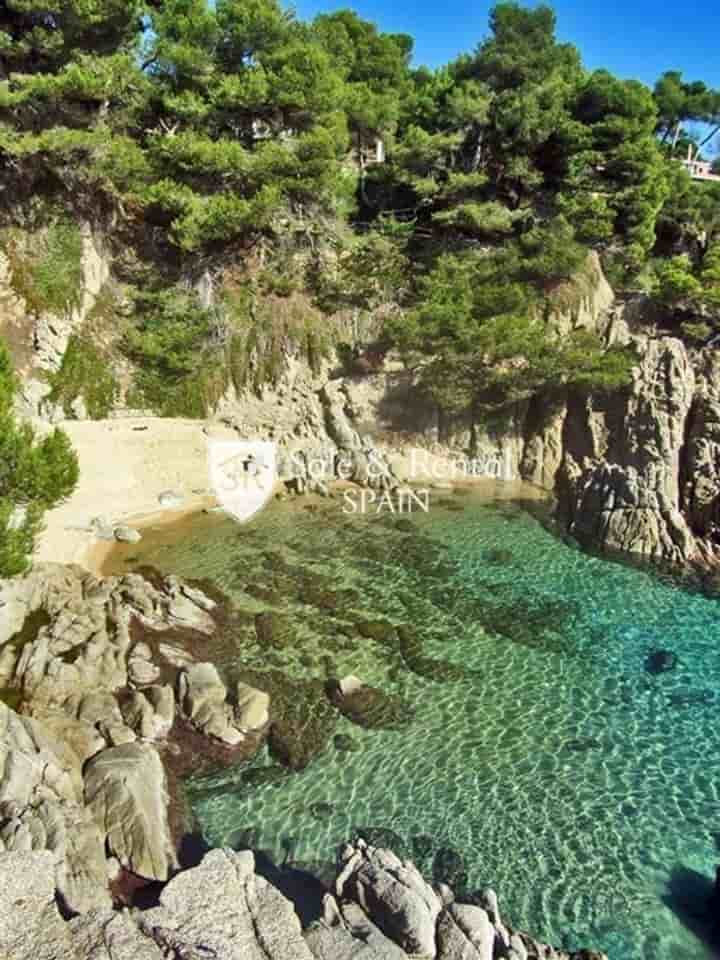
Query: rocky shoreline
[[227, 908], [108, 697]]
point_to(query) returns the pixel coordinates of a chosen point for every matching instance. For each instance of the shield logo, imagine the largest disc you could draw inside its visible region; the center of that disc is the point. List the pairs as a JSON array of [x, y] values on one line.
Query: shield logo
[[242, 474]]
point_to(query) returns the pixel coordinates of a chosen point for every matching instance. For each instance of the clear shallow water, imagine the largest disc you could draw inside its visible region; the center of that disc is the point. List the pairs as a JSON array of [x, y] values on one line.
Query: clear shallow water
[[581, 787]]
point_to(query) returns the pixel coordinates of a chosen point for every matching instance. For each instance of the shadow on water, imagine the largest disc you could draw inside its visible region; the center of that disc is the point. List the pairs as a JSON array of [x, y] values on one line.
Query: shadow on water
[[692, 898], [191, 850], [304, 885]]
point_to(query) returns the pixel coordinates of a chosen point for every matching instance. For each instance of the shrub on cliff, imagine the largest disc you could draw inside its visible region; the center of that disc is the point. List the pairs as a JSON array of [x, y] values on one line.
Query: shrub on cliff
[[479, 338], [84, 373], [35, 474]]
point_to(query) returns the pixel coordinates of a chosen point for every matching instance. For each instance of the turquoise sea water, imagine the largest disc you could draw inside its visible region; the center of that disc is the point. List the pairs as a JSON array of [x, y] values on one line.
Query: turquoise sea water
[[582, 787]]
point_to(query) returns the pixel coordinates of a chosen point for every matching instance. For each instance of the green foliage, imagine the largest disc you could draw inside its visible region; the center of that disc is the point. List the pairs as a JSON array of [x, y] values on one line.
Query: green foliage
[[265, 329], [213, 128], [86, 373], [710, 278], [34, 475], [48, 276], [675, 281], [679, 282], [373, 272], [479, 338], [696, 332], [172, 345]]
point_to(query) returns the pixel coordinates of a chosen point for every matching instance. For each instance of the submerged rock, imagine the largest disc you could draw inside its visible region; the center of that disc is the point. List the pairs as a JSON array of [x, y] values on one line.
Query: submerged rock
[[302, 721], [272, 629], [449, 868], [660, 661], [368, 706], [379, 630]]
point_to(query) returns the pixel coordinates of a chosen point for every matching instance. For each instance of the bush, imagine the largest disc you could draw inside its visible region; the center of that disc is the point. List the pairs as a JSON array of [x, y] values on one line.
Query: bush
[[85, 373], [675, 281], [174, 344], [34, 475], [48, 278]]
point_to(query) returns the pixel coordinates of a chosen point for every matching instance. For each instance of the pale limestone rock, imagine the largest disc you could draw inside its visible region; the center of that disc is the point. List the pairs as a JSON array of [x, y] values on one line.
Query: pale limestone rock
[[126, 791], [202, 697], [464, 932], [253, 708], [30, 926], [222, 907], [106, 935], [395, 895]]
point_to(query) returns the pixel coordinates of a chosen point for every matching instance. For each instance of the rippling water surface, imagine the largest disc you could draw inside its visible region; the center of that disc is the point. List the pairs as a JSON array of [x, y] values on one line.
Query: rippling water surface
[[545, 759]]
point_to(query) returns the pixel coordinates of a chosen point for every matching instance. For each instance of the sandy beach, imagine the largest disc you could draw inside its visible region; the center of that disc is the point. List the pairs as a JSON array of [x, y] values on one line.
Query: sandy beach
[[125, 466]]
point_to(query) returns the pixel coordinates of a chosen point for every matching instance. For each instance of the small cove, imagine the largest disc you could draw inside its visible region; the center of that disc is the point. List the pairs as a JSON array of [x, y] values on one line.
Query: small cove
[[539, 755]]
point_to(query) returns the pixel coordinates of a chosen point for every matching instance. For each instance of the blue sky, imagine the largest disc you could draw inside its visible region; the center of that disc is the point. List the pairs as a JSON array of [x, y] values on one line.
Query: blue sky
[[635, 38]]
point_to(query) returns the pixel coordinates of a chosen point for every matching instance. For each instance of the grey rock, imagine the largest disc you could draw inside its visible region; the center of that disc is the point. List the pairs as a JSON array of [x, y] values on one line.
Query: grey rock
[[253, 708], [127, 534], [352, 936], [30, 926], [623, 482], [151, 712], [125, 790], [223, 909], [394, 895], [107, 935], [79, 409], [202, 697], [464, 932], [142, 672]]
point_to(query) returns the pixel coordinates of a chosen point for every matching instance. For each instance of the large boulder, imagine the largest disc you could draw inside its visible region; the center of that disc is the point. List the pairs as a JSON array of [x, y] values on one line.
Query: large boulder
[[41, 809], [223, 909], [465, 933], [203, 699], [30, 926], [368, 706], [252, 711], [394, 894], [620, 479], [150, 712], [346, 933], [106, 935], [125, 788]]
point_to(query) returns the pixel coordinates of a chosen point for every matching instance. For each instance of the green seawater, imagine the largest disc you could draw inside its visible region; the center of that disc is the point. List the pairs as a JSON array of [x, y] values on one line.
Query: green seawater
[[545, 760]]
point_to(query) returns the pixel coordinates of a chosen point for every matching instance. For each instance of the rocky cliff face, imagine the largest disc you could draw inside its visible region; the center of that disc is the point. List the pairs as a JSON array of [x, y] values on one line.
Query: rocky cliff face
[[636, 472], [639, 471]]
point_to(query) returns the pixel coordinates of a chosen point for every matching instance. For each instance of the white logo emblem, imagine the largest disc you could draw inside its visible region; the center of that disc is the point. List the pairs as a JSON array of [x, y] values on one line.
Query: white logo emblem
[[242, 474]]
